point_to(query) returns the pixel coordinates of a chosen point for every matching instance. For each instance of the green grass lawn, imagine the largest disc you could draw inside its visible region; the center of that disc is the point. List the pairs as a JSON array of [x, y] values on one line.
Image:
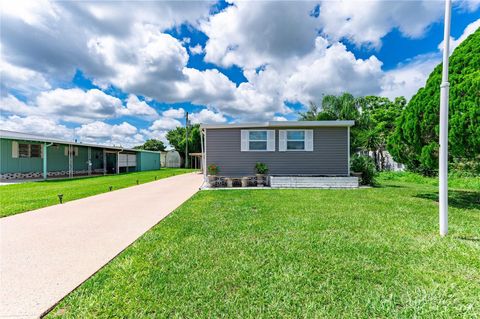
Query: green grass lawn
[[19, 198], [366, 253]]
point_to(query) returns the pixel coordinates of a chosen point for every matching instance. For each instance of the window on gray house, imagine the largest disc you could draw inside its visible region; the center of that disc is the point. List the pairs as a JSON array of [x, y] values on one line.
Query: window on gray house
[[257, 140], [296, 140]]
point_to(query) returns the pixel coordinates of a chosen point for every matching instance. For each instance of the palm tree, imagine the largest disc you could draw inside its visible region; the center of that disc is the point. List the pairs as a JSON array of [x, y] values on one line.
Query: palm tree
[[311, 114], [374, 140], [342, 107]]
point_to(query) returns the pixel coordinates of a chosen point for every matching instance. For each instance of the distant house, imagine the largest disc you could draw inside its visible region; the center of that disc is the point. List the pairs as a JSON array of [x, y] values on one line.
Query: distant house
[[32, 156], [297, 153]]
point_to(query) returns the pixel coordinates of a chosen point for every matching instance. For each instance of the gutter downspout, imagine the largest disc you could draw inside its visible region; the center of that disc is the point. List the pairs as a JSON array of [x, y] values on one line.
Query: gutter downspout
[[348, 145], [45, 173], [104, 162], [118, 163], [89, 161], [70, 160]]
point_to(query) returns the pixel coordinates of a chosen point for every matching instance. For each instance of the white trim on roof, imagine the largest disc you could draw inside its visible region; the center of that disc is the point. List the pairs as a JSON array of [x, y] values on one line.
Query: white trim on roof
[[19, 136], [281, 124]]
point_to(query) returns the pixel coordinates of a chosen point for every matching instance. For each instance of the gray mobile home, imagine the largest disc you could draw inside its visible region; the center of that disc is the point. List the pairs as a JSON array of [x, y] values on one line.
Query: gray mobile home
[[297, 153]]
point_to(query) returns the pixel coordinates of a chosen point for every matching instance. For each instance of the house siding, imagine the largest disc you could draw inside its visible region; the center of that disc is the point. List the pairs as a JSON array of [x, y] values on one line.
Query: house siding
[[56, 158], [329, 156], [147, 161], [9, 164], [57, 161]]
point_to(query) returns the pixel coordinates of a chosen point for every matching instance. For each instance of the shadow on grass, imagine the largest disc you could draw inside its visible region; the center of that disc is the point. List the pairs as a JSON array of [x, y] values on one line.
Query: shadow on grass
[[468, 238], [457, 199], [388, 186]]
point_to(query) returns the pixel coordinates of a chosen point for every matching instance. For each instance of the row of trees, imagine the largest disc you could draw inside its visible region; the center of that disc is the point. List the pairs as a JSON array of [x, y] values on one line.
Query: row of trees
[[374, 120]]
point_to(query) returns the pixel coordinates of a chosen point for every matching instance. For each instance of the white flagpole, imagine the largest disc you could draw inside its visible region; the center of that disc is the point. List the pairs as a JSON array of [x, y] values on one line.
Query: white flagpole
[[443, 158]]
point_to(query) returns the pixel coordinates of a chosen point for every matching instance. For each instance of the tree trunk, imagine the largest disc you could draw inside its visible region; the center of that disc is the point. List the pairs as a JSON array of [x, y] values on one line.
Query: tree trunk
[[375, 158]]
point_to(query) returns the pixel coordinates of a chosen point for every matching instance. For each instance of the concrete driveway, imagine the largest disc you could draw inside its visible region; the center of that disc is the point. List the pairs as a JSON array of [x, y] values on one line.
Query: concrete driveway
[[46, 253]]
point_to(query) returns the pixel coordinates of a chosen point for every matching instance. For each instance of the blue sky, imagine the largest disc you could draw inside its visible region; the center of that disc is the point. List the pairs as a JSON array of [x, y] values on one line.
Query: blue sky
[[123, 72]]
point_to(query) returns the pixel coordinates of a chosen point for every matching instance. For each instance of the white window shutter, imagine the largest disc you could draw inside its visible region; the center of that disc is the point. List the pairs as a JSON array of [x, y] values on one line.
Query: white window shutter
[[244, 141], [282, 140], [271, 140], [14, 149], [66, 150], [309, 140], [76, 151], [41, 150]]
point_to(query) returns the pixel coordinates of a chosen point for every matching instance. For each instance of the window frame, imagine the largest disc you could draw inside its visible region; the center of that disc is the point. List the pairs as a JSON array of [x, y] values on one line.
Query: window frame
[[74, 152], [304, 141], [20, 150], [266, 140], [39, 150]]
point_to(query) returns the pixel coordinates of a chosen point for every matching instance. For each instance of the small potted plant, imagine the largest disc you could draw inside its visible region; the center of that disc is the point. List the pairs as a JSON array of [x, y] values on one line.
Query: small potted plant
[[262, 170], [212, 173]]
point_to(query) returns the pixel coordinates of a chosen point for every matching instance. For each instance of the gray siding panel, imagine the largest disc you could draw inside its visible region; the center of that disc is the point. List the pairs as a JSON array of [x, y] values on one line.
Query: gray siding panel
[[329, 156]]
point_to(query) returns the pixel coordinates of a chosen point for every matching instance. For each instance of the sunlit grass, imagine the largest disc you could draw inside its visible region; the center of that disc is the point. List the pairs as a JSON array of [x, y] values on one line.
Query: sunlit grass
[[18, 198], [365, 253]]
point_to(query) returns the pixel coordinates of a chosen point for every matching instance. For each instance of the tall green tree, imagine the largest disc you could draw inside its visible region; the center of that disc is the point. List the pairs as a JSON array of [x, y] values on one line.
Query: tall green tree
[[177, 139], [152, 145], [415, 140], [341, 107], [379, 116], [374, 118]]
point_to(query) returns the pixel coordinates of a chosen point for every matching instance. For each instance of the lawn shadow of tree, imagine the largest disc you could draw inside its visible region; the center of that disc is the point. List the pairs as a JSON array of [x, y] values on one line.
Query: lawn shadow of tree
[[468, 238], [457, 199], [387, 186]]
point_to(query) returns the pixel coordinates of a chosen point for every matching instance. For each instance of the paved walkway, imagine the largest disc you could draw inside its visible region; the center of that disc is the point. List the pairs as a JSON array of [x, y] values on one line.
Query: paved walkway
[[47, 253]]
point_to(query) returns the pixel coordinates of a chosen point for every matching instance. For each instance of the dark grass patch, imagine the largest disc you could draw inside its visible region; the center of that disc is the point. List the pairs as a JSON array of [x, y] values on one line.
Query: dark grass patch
[[458, 199]]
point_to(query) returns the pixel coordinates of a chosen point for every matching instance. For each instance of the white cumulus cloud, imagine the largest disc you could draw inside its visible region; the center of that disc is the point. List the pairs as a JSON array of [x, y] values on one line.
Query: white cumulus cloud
[[77, 105], [174, 113], [35, 125], [366, 22], [471, 28], [123, 134], [197, 49], [206, 116], [22, 80], [135, 107]]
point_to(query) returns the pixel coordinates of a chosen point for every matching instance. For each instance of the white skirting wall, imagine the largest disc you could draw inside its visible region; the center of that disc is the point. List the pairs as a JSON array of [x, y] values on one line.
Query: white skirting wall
[[313, 182]]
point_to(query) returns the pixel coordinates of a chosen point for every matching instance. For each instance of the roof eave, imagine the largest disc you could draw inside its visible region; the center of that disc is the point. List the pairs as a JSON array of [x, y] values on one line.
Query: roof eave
[[19, 136], [281, 124]]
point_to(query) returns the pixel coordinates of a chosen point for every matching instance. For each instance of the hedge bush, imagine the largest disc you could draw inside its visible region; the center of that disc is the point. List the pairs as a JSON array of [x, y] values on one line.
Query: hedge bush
[[365, 165]]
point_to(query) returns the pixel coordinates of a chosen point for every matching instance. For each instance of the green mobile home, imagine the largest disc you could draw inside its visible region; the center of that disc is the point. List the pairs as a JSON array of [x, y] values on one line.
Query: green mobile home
[[24, 156]]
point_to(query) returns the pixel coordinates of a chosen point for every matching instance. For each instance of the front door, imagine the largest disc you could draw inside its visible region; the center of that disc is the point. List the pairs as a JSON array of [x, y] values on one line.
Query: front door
[[111, 163]]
